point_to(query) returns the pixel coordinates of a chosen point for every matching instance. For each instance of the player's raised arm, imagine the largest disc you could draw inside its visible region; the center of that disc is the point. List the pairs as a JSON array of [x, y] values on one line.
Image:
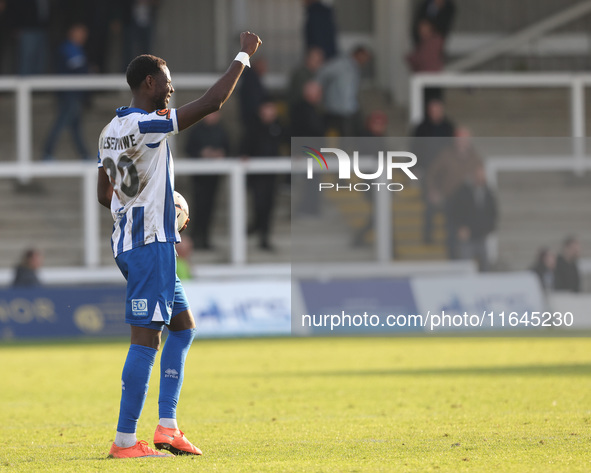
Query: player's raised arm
[[219, 92]]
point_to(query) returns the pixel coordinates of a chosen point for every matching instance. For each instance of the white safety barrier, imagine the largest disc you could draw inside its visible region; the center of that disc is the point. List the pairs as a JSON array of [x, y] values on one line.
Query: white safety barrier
[[576, 83], [235, 169]]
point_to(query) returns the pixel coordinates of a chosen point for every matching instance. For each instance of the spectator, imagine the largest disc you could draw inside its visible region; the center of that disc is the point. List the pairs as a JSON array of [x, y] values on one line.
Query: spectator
[[302, 75], [430, 138], [544, 267], [435, 125], [99, 17], [376, 126], [252, 92], [566, 275], [30, 19], [453, 167], [341, 80], [428, 56], [307, 118], [138, 28], [25, 274], [72, 60], [264, 141], [428, 53], [184, 249], [440, 13], [207, 139], [320, 28], [475, 217]]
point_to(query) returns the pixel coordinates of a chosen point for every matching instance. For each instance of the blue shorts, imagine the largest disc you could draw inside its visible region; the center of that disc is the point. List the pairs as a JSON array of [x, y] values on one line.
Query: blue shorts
[[154, 291]]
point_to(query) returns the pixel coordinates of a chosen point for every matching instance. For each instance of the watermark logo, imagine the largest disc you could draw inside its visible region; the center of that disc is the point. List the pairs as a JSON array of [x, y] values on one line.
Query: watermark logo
[[387, 161], [317, 155]]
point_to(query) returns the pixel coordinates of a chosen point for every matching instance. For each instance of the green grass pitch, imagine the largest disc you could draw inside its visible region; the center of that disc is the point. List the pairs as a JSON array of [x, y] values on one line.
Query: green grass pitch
[[318, 405]]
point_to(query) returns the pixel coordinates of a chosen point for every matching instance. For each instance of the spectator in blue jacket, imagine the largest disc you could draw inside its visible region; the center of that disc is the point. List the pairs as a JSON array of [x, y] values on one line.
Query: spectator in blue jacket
[[71, 61]]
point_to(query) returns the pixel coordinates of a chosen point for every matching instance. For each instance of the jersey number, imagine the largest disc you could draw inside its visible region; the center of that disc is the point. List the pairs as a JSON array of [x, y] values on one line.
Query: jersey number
[[130, 182]]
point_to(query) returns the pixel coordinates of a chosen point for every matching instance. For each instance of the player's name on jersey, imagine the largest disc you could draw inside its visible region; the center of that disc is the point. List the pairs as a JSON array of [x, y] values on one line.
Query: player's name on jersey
[[115, 142]]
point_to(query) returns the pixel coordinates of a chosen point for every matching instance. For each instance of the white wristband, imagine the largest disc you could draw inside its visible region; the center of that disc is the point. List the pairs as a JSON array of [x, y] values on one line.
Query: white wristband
[[243, 57]]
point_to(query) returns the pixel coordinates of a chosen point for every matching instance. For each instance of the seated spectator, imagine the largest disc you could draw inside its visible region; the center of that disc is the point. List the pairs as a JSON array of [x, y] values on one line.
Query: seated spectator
[[341, 80], [72, 60], [264, 140], [475, 217], [566, 274], [440, 13], [544, 267], [302, 75], [446, 174], [25, 274], [207, 139]]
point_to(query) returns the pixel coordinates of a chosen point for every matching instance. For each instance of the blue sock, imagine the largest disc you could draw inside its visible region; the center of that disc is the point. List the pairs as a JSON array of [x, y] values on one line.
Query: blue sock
[[172, 368], [134, 384]]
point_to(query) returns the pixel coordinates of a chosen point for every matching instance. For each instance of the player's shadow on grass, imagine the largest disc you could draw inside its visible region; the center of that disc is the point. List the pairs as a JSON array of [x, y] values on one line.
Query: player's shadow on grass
[[519, 370]]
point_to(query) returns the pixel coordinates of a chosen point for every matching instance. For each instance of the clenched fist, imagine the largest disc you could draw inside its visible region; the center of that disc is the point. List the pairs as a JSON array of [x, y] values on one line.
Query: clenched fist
[[249, 42]]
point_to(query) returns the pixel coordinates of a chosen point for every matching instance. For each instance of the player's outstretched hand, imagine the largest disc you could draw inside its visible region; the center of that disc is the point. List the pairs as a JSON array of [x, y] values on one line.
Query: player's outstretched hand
[[249, 42]]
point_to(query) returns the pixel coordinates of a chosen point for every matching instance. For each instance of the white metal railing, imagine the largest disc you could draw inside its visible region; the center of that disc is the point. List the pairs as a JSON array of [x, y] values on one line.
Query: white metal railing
[[496, 164], [24, 87], [576, 83], [235, 169]]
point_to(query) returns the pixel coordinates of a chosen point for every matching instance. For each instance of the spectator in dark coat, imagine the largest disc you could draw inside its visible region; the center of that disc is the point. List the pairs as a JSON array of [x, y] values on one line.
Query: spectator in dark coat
[[30, 19], [544, 267], [430, 137], [446, 174], [307, 118], [25, 274], [475, 218], [301, 76], [252, 92], [435, 125], [440, 13], [264, 140], [207, 140], [320, 28], [566, 275]]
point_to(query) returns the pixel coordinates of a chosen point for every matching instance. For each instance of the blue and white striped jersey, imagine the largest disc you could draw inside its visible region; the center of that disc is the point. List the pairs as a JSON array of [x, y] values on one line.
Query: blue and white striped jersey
[[135, 154]]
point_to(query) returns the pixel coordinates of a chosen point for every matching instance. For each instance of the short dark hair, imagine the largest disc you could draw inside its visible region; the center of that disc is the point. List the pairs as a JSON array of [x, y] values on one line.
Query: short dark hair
[[141, 67]]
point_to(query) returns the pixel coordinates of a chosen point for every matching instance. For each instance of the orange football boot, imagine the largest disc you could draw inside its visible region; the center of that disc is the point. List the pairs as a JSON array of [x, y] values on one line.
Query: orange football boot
[[140, 449], [174, 441]]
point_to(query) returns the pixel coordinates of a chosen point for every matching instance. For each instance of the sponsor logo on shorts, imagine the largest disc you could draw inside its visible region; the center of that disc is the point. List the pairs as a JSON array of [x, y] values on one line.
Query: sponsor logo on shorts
[[169, 305], [139, 307]]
